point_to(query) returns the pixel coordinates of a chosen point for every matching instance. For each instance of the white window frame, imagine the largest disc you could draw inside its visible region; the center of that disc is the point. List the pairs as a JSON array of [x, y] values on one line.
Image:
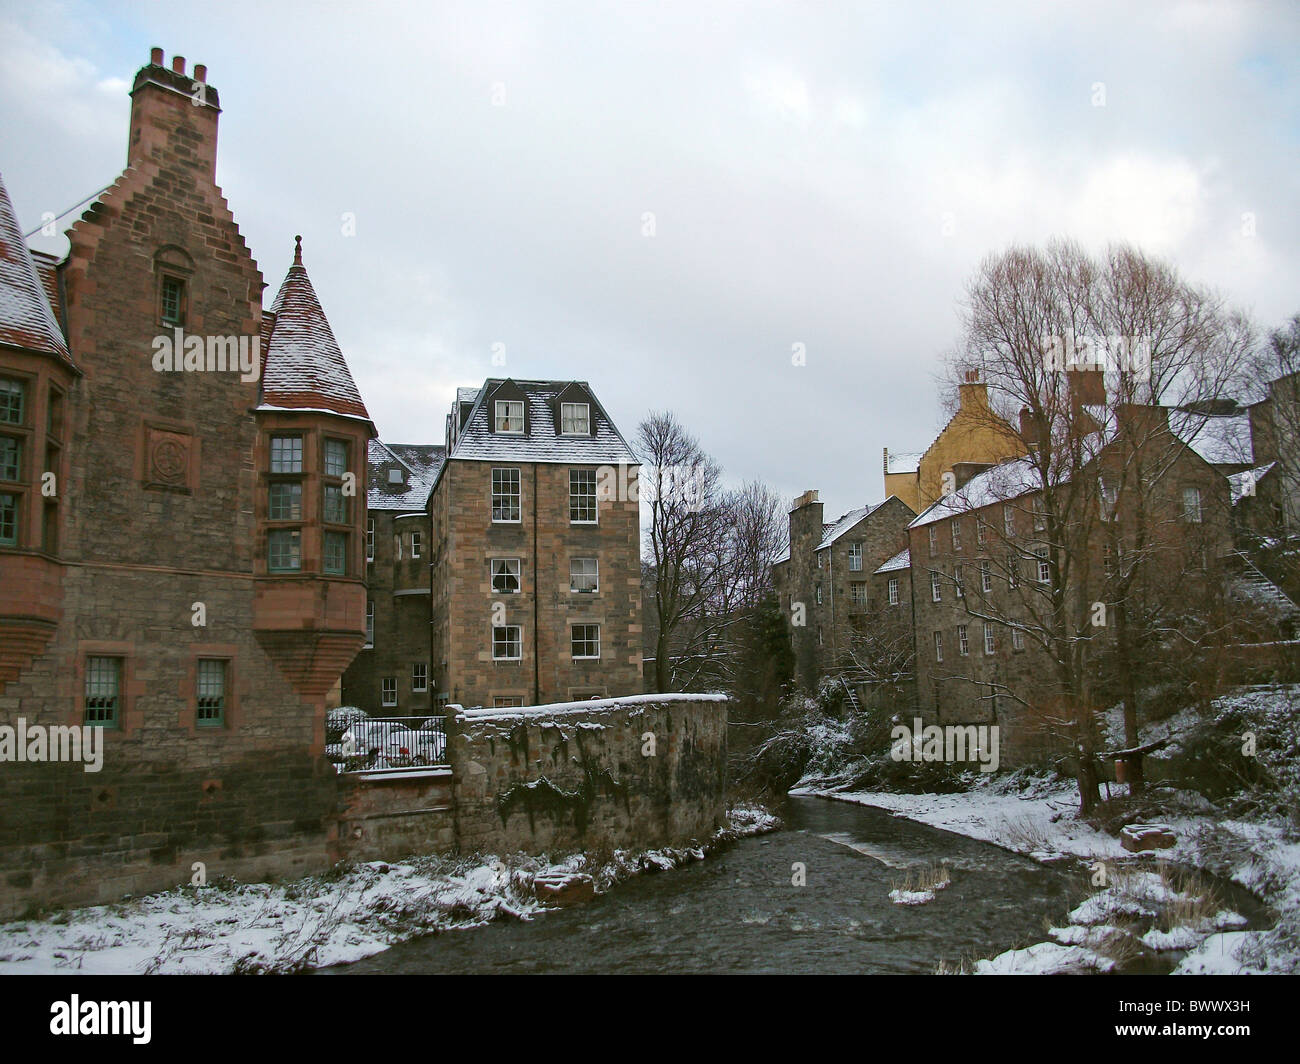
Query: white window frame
[[1017, 639], [417, 543], [1013, 569], [501, 566], [370, 625], [981, 530], [1044, 564], [990, 640], [819, 594], [419, 677], [986, 577], [1008, 520], [963, 641], [959, 580], [519, 640], [1192, 513], [893, 591], [578, 478], [956, 533], [370, 539], [517, 494], [565, 419], [936, 587], [584, 576], [499, 419], [573, 638], [858, 593], [388, 691], [938, 647], [855, 557], [934, 539]]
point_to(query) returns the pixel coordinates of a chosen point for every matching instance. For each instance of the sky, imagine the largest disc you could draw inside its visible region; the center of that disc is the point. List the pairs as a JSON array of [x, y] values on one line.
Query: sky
[[760, 216]]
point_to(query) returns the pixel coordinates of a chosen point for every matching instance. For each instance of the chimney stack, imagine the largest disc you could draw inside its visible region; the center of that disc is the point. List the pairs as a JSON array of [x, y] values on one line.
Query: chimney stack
[[173, 116]]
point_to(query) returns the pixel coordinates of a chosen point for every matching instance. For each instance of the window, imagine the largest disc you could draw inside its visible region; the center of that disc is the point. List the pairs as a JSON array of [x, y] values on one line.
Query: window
[[1044, 565], [990, 640], [855, 557], [936, 588], [934, 539], [1008, 520], [336, 458], [981, 530], [956, 534], [505, 495], [819, 594], [284, 550], [575, 419], [397, 546], [510, 416], [959, 581], [210, 697], [286, 454], [336, 505], [336, 553], [8, 519], [1013, 569], [172, 307], [1108, 559], [938, 646], [582, 496], [419, 676], [586, 641], [858, 594], [893, 591], [103, 683], [1040, 515], [1017, 639], [963, 644], [505, 576], [1192, 506], [1108, 496], [388, 690], [417, 543], [819, 559], [396, 476], [285, 502], [507, 702], [370, 539], [986, 577], [11, 401], [584, 575], [11, 458], [370, 623], [507, 642]]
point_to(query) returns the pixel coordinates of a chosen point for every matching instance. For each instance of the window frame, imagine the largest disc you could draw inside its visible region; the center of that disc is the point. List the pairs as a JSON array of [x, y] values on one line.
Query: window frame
[[893, 592], [272, 536], [419, 677], [506, 474], [578, 499], [119, 669], [595, 575], [218, 721], [586, 641], [938, 647], [963, 641], [586, 418], [518, 575], [855, 557], [936, 586], [334, 537], [387, 684], [498, 420], [506, 641]]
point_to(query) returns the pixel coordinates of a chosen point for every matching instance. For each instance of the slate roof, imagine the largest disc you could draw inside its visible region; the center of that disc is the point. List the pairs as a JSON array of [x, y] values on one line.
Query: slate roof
[[1238, 482], [837, 528], [1220, 440], [26, 318], [302, 366], [901, 560], [422, 463], [542, 442], [902, 463]]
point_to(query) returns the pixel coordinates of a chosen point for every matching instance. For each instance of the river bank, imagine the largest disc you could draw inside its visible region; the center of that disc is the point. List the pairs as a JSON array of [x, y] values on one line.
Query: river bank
[[342, 916]]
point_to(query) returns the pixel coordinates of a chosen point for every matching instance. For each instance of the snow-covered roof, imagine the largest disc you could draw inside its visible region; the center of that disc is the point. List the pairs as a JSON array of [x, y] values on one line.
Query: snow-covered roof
[[467, 395], [902, 463], [420, 463], [901, 560], [1220, 440], [302, 366], [784, 556], [831, 532], [591, 706], [1009, 480], [541, 442], [26, 318], [1237, 482]]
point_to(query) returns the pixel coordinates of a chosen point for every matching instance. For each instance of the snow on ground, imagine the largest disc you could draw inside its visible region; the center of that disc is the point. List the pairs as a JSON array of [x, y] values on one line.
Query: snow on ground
[[342, 916]]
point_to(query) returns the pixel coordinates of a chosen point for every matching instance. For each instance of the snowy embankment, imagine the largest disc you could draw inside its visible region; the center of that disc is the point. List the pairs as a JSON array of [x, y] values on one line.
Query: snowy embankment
[[341, 916], [1040, 822]]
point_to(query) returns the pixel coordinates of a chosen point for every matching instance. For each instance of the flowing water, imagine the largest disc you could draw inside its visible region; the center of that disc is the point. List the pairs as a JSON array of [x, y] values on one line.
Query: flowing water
[[739, 910]]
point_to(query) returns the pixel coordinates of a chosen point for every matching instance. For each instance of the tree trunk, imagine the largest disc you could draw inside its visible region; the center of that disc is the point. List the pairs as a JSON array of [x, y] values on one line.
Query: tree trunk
[[1128, 687]]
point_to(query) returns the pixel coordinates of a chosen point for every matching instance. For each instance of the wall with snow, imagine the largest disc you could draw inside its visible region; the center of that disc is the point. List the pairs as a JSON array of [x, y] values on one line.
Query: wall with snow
[[645, 770]]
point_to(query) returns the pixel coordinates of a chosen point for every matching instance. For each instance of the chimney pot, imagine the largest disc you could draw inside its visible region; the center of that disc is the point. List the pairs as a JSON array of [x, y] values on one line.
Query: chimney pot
[[155, 56], [178, 64], [200, 72]]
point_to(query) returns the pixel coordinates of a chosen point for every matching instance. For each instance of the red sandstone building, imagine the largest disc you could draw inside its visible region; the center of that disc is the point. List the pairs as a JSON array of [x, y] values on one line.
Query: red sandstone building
[[185, 540]]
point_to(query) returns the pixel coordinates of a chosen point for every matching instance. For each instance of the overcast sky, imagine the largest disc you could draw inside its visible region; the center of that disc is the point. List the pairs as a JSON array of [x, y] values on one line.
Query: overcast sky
[[818, 174]]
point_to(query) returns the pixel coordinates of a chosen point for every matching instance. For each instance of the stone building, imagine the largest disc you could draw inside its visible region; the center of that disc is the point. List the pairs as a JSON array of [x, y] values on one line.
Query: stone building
[[181, 544], [825, 583], [535, 571]]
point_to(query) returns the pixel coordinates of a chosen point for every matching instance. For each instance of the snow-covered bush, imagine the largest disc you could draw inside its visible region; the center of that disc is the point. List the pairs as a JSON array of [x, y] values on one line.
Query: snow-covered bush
[[340, 719]]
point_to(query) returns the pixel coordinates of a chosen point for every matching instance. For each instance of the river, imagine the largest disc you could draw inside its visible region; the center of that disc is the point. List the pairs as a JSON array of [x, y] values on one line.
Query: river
[[739, 911]]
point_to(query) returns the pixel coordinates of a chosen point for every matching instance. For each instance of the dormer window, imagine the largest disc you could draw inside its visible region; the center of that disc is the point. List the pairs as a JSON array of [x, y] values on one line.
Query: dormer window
[[575, 419], [395, 475], [510, 416]]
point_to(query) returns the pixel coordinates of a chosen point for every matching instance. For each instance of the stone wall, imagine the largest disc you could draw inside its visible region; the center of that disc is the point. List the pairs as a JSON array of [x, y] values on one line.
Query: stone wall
[[580, 776]]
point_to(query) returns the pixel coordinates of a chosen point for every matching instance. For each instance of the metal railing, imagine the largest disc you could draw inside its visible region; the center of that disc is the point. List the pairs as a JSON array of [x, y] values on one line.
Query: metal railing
[[371, 743]]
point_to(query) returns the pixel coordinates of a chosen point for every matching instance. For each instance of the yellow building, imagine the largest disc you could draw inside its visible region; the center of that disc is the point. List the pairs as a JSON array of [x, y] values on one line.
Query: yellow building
[[974, 439]]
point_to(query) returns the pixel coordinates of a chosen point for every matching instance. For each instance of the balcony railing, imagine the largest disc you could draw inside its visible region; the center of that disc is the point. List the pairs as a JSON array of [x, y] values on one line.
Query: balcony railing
[[389, 743]]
